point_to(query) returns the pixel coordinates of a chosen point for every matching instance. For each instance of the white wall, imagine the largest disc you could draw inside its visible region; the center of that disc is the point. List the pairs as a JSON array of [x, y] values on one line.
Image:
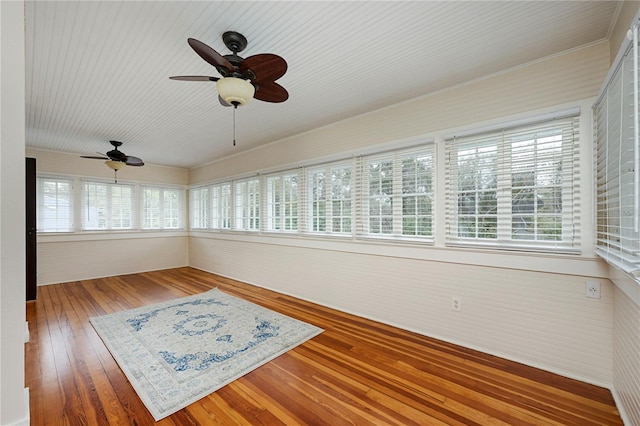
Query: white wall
[[626, 346], [72, 257], [13, 407], [529, 308]]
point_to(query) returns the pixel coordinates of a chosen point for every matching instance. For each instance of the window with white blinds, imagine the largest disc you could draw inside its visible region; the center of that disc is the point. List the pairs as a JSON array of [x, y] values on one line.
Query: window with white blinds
[[161, 208], [330, 198], [247, 204], [617, 164], [107, 206], [199, 208], [395, 194], [221, 206], [54, 204], [516, 187], [281, 202]]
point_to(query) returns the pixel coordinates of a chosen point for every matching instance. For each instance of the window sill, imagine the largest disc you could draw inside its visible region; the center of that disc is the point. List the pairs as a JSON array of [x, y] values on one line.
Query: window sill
[[518, 260], [54, 237]]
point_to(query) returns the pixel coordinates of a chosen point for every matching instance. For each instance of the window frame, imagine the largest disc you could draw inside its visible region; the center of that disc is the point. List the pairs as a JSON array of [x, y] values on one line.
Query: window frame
[[325, 191], [41, 203], [247, 210], [108, 206], [282, 202], [563, 125], [172, 212], [392, 221]]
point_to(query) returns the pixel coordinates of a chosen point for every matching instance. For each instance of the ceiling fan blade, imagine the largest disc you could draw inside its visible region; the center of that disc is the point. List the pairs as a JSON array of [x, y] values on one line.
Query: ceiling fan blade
[[194, 78], [130, 160], [210, 55], [94, 157], [222, 101], [271, 92], [266, 67]]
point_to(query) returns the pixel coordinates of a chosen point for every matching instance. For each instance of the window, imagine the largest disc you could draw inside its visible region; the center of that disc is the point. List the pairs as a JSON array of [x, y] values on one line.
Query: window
[[247, 205], [331, 198], [199, 201], [107, 206], [617, 167], [161, 208], [282, 202], [221, 206], [516, 187], [397, 194], [54, 204]]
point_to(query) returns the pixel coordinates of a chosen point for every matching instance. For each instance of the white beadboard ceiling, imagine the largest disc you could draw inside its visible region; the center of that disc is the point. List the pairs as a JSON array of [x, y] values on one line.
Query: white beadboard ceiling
[[98, 70]]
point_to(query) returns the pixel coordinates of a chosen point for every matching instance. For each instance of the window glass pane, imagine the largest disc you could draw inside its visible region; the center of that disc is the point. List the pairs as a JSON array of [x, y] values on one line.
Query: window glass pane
[[54, 205], [95, 206], [417, 193], [318, 199], [282, 202], [120, 207], [107, 206], [151, 208], [199, 201], [380, 196], [221, 206], [341, 199], [247, 194], [331, 198], [517, 187], [171, 210]]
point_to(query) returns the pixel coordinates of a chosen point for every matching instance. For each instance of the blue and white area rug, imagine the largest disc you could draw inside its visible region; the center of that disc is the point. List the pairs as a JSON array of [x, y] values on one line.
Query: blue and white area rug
[[178, 351]]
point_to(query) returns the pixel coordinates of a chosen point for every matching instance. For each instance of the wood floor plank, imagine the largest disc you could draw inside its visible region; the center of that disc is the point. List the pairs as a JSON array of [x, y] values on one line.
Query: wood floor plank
[[357, 372]]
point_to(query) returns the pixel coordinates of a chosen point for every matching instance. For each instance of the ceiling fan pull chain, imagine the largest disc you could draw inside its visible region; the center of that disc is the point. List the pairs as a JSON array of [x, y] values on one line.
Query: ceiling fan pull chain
[[235, 107]]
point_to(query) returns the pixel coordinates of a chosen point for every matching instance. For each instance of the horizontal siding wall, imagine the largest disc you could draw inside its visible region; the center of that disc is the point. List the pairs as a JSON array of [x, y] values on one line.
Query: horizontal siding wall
[[64, 261], [626, 347], [541, 319]]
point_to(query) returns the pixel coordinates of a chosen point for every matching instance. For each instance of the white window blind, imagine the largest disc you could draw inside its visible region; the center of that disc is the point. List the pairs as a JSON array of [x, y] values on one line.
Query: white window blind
[[516, 187], [281, 201], [247, 204], [54, 204], [107, 206], [617, 164], [395, 194], [221, 206], [199, 208], [330, 198], [162, 208]]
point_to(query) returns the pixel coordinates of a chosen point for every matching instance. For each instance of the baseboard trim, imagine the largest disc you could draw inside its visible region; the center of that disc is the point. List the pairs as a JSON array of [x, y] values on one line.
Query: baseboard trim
[[620, 407], [26, 420]]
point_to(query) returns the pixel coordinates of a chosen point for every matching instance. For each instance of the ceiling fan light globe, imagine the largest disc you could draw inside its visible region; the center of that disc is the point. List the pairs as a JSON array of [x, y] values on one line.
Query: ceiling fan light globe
[[115, 165], [235, 91]]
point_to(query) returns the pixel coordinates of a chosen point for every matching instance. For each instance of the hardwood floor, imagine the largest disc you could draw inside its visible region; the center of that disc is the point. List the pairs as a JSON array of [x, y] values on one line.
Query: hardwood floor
[[356, 372]]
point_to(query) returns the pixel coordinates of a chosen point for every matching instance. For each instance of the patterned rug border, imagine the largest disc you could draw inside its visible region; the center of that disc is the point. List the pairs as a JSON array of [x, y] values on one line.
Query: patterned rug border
[[135, 373]]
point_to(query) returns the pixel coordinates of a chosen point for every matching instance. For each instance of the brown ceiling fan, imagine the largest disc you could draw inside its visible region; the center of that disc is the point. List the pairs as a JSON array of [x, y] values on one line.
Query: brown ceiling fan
[[116, 159], [242, 78]]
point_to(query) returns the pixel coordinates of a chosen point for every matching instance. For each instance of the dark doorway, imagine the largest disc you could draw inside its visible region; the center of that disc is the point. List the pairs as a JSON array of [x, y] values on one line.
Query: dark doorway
[[32, 249]]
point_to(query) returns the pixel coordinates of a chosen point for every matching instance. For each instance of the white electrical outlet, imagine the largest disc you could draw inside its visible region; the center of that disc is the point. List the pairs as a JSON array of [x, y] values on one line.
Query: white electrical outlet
[[456, 303], [592, 289]]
